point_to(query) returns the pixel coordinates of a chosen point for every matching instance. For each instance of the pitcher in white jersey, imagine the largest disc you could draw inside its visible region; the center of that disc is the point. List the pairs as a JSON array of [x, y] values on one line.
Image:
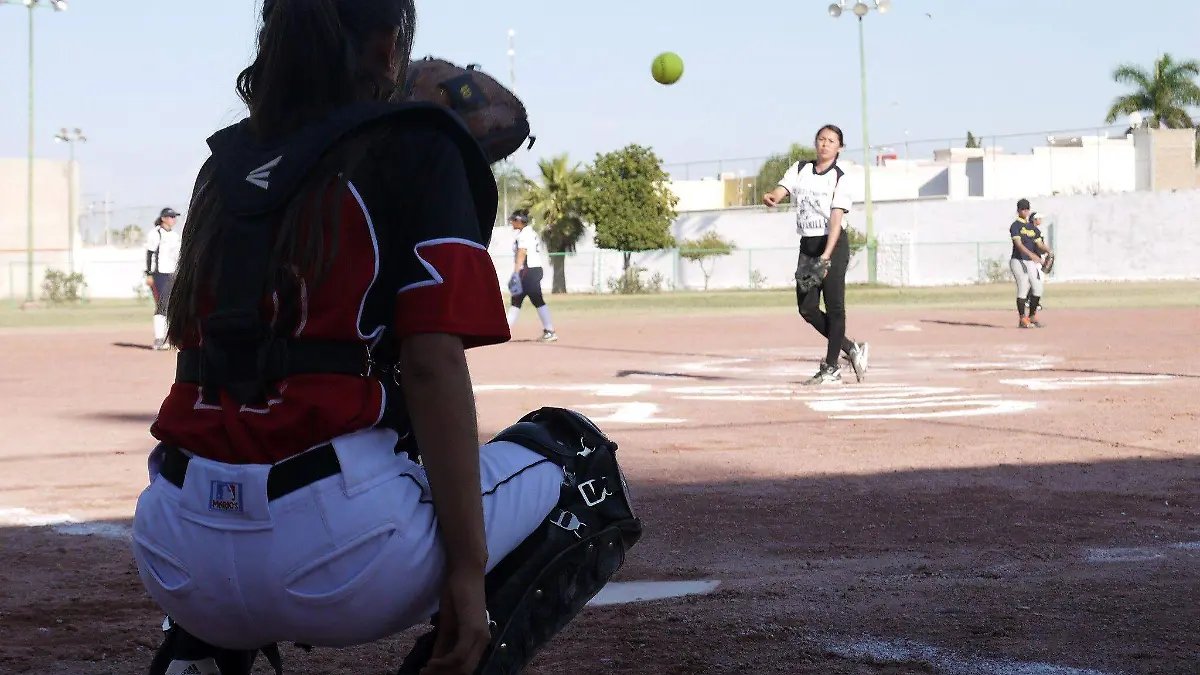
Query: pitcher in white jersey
[[526, 280], [162, 255], [822, 200]]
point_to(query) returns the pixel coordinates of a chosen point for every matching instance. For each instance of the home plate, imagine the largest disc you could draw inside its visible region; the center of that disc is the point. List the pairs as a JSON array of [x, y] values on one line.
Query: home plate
[[619, 593], [903, 328]]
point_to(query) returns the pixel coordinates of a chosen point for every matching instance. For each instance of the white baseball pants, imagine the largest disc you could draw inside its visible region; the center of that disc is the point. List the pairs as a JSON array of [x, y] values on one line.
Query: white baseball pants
[[346, 560]]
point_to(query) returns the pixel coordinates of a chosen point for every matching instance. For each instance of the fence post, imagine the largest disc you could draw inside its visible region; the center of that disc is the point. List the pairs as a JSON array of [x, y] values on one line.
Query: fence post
[[979, 262], [750, 268], [675, 270]]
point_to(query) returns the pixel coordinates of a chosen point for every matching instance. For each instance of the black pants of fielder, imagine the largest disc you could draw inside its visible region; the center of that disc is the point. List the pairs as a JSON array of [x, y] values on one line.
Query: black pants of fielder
[[531, 285], [832, 322], [162, 292]]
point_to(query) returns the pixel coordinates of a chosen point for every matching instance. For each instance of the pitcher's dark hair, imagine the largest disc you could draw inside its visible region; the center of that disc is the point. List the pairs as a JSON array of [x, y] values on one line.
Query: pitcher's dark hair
[[313, 57], [835, 129]]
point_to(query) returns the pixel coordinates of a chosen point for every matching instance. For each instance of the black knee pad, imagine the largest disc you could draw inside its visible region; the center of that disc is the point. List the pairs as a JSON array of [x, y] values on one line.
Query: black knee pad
[[547, 580]]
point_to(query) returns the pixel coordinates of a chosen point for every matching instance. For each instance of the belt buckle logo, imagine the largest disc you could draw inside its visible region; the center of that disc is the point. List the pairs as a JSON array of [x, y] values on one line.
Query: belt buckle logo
[[225, 497]]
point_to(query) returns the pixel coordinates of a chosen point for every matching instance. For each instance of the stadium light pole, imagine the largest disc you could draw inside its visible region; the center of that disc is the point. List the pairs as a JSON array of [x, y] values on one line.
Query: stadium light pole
[[59, 6], [860, 10], [512, 78], [70, 138]]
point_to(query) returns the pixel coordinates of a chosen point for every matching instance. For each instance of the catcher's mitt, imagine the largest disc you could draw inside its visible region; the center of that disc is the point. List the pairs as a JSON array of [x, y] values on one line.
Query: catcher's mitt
[[515, 287], [810, 273], [1048, 263], [495, 116]]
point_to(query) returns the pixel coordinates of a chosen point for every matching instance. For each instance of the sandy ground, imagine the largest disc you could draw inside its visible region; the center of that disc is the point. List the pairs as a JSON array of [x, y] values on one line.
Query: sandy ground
[[989, 502]]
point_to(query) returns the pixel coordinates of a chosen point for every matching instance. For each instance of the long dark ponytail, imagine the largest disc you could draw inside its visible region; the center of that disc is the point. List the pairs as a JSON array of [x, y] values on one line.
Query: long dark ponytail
[[310, 61]]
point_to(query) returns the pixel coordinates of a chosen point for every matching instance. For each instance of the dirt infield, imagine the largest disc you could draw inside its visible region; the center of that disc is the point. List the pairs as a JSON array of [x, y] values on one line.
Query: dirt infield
[[989, 502]]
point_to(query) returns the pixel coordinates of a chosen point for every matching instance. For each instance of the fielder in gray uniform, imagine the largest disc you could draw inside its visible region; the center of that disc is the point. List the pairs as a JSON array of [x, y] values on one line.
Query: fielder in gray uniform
[[1026, 265]]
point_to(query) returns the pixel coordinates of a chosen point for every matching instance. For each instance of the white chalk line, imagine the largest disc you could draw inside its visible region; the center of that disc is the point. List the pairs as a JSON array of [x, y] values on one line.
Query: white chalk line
[[61, 523], [1136, 553], [1068, 383], [944, 661]]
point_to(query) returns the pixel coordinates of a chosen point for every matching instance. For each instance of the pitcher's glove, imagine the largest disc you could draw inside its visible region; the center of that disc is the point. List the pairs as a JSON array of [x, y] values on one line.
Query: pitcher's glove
[[1048, 263], [495, 116], [810, 273], [515, 287]]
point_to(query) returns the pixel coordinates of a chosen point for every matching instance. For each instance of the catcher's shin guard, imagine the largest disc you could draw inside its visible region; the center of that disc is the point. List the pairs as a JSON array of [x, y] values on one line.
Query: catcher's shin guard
[[183, 654], [547, 580]]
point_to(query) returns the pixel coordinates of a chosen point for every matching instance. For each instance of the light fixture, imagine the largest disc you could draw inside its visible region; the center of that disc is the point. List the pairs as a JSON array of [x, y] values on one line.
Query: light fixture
[[835, 10], [59, 5], [882, 6], [861, 8]]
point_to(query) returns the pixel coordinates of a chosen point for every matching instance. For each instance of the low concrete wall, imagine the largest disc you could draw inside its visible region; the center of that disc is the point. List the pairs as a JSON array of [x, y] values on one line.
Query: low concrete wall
[[1128, 236]]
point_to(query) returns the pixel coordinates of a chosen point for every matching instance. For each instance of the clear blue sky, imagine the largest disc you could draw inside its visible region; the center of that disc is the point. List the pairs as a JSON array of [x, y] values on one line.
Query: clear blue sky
[[148, 81]]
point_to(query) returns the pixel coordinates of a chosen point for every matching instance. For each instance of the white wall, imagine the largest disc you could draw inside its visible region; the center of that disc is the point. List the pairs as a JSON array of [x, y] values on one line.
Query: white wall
[[1128, 236], [1104, 166], [698, 195]]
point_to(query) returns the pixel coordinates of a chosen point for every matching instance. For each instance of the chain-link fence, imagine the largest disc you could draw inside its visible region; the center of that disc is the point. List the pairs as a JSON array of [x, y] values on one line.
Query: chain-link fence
[[119, 274], [898, 264], [125, 227]]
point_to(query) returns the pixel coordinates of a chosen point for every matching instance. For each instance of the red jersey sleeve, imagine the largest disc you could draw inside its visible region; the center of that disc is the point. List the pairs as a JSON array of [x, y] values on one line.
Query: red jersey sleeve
[[448, 283]]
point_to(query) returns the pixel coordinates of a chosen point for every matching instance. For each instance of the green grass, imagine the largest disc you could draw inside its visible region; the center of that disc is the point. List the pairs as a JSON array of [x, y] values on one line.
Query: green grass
[[93, 313], [1142, 295], [990, 296]]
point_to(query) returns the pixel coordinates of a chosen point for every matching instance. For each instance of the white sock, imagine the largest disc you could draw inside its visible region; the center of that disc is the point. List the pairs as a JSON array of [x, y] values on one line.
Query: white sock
[[160, 327], [544, 314], [513, 313]]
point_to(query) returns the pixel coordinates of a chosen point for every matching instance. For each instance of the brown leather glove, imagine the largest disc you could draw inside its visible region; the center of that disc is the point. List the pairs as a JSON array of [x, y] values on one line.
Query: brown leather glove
[[494, 115]]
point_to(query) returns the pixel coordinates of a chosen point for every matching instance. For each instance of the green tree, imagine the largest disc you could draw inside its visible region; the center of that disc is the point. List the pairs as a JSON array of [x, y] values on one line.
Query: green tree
[[705, 249], [1163, 95], [627, 199], [775, 166], [973, 142], [556, 205]]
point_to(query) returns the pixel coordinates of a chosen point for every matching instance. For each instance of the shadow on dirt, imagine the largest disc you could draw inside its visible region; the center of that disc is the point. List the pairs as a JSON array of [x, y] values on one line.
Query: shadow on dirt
[[833, 574], [130, 345], [968, 324], [120, 417]]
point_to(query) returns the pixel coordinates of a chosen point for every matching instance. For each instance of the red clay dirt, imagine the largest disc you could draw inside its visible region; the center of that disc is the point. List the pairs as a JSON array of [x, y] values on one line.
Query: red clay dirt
[[1052, 531]]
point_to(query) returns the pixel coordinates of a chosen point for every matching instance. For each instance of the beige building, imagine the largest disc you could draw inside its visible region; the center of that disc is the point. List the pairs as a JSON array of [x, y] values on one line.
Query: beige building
[[55, 239]]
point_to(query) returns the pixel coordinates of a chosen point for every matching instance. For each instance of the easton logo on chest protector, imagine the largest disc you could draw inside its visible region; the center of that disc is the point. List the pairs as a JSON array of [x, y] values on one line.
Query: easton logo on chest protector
[[260, 175]]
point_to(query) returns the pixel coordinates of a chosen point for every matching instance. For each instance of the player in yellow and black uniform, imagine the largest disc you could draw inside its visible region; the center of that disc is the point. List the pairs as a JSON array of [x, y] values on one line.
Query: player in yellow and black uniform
[[1026, 264]]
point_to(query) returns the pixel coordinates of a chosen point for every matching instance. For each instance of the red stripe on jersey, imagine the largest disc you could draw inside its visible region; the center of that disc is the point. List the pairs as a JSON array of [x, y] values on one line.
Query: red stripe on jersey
[[461, 297], [307, 409]]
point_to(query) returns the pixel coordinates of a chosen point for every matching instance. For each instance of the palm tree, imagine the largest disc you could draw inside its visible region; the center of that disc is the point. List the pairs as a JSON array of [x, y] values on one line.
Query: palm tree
[[1163, 95], [555, 205]]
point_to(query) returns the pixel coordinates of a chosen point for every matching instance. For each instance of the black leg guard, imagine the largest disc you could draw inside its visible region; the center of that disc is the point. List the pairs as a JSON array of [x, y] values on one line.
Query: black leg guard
[[182, 654], [538, 588]]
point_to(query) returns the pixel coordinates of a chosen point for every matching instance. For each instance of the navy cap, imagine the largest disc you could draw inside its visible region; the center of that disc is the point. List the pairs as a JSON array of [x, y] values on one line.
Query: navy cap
[[168, 213], [1023, 204]]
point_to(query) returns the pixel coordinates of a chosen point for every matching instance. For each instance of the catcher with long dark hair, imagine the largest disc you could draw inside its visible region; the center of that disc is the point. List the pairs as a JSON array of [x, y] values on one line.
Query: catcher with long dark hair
[[318, 478]]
